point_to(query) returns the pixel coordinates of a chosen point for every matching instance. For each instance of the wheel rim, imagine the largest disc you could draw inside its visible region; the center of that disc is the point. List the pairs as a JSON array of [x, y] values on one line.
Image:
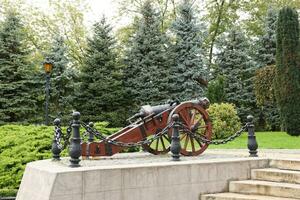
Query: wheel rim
[[196, 120], [159, 146]]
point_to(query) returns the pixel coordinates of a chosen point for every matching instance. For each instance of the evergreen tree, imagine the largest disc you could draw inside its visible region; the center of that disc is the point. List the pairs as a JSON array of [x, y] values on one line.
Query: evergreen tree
[[287, 86], [238, 71], [101, 95], [147, 65], [17, 89], [267, 42], [188, 71], [62, 89], [266, 54]]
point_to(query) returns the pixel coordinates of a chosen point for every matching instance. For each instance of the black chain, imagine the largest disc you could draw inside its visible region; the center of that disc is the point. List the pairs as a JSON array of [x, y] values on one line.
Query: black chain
[[215, 142], [60, 136], [100, 136]]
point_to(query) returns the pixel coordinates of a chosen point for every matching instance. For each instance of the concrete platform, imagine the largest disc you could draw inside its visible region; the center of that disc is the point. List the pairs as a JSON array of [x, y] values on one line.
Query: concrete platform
[[137, 176]]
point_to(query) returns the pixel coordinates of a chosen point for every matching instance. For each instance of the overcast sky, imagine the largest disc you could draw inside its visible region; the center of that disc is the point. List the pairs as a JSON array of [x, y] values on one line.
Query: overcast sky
[[109, 8]]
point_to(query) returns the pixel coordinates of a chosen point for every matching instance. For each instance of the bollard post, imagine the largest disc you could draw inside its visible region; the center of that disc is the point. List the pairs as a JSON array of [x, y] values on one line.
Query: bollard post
[[56, 149], [75, 147], [91, 135], [175, 143], [252, 143]]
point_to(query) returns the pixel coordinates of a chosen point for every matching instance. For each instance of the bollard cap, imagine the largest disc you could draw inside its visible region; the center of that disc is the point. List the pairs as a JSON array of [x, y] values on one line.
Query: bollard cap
[[91, 124], [56, 122], [250, 118], [76, 115], [175, 117]]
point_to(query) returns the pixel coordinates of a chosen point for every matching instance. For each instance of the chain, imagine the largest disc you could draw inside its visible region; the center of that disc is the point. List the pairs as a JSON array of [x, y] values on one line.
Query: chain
[[129, 144], [58, 135], [215, 142]]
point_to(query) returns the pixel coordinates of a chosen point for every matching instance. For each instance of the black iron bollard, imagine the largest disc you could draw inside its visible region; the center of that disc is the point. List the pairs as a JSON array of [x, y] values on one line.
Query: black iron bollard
[[75, 147], [175, 144], [91, 135], [252, 144], [56, 149]]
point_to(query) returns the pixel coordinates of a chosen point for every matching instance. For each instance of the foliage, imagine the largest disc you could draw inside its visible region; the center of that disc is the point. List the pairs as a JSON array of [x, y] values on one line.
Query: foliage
[[264, 84], [188, 71], [102, 96], [215, 90], [235, 64], [23, 144], [18, 86], [287, 81], [147, 65], [62, 83], [224, 118]]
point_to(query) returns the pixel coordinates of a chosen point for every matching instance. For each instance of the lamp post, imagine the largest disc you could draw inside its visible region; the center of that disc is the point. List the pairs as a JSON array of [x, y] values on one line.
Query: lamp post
[[48, 65]]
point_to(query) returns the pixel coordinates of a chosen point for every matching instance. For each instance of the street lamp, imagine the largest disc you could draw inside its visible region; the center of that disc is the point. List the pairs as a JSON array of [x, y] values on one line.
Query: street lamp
[[48, 66]]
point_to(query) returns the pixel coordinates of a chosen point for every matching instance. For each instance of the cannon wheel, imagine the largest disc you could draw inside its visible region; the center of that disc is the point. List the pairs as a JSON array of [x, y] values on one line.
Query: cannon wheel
[[159, 146], [196, 119]]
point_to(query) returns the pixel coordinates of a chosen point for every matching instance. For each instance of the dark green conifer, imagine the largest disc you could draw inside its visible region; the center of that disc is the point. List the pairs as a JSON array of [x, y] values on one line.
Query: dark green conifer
[[147, 67], [287, 84], [188, 73], [17, 88], [102, 96]]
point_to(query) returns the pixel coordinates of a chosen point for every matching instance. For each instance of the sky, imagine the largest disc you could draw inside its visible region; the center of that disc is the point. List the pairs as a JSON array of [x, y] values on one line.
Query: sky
[[109, 8]]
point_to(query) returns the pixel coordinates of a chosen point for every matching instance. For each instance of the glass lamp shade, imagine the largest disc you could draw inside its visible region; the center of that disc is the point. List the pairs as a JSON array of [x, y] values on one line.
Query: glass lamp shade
[[48, 67]]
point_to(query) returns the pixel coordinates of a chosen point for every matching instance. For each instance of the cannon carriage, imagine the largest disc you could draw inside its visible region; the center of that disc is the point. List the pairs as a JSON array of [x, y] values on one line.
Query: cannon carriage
[[152, 129]]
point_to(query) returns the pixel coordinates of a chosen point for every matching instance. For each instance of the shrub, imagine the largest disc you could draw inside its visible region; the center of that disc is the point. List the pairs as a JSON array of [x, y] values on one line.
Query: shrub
[[225, 120], [20, 145]]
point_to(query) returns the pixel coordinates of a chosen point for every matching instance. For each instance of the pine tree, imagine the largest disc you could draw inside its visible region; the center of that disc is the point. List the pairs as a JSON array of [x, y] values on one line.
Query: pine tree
[[101, 95], [238, 71], [266, 54], [267, 42], [188, 71], [62, 89], [17, 89], [147, 65], [287, 84]]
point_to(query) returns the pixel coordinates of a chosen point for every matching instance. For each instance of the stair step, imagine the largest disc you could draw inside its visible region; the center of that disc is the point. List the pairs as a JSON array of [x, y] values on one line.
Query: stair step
[[285, 164], [236, 196], [267, 188], [276, 175]]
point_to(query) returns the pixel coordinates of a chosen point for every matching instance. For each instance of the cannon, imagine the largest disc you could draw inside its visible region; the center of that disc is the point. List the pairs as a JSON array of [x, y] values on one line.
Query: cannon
[[151, 120]]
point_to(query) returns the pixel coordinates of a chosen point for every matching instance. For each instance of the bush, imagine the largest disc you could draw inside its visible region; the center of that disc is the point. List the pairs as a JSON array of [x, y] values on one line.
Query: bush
[[225, 120], [20, 145]]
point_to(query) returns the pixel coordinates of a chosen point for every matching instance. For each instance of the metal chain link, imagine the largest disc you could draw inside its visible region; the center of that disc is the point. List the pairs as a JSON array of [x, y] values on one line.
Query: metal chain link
[[129, 144], [215, 142], [58, 134]]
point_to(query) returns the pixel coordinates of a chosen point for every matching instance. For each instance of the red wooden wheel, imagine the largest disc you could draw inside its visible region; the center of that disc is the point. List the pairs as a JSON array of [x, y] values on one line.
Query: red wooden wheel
[[159, 146], [195, 119]]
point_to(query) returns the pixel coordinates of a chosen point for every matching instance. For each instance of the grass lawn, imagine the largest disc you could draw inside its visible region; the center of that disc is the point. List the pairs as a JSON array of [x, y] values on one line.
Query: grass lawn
[[265, 140]]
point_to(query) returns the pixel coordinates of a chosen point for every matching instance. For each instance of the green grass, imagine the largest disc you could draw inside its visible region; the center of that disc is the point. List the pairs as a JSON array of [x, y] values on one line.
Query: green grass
[[265, 140]]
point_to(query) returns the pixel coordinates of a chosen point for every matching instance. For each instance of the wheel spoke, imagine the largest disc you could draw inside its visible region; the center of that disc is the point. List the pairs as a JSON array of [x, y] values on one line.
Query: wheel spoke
[[193, 145], [163, 144], [156, 148], [185, 117], [184, 135], [186, 142], [168, 139], [193, 117]]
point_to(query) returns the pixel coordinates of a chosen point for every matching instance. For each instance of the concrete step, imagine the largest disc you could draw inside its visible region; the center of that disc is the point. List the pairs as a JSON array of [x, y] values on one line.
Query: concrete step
[[286, 164], [276, 175], [236, 196], [267, 188]]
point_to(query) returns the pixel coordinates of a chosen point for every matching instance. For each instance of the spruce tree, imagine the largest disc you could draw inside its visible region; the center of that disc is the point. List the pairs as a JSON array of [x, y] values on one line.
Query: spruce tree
[[266, 53], [287, 86], [62, 80], [101, 96], [188, 72], [147, 67], [238, 71], [17, 89]]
